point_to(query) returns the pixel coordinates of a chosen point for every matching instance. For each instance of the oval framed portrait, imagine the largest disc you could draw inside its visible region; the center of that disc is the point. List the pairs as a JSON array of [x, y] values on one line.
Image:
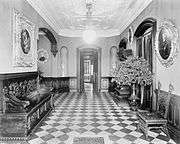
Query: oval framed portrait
[[25, 41], [42, 55], [166, 43]]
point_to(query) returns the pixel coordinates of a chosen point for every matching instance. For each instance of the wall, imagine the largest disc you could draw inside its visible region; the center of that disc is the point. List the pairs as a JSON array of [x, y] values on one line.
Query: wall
[[6, 54], [73, 43], [159, 10], [46, 67]]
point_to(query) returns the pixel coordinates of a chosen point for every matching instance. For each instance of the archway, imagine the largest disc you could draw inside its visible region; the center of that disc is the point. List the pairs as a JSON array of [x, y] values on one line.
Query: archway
[[64, 60], [145, 40], [51, 38]]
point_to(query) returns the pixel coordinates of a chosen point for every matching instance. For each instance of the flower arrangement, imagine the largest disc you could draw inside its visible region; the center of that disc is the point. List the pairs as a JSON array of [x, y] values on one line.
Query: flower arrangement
[[133, 70]]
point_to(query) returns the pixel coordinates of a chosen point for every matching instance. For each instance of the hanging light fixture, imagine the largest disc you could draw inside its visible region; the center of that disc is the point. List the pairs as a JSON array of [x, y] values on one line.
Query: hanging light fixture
[[89, 35]]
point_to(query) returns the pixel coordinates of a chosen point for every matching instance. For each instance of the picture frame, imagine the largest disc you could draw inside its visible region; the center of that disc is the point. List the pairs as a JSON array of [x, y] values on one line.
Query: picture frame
[[166, 45], [23, 31]]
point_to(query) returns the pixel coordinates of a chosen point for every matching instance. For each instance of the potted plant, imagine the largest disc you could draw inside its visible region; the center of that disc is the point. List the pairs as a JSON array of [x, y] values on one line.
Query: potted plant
[[133, 70]]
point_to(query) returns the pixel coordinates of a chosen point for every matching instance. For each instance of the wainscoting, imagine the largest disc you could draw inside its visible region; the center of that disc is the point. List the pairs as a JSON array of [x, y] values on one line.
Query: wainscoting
[[60, 84], [73, 84], [174, 118], [104, 84], [107, 85]]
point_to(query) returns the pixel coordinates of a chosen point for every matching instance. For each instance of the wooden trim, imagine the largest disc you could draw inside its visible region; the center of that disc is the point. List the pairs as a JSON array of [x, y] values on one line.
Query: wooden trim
[[174, 117], [99, 51], [16, 75]]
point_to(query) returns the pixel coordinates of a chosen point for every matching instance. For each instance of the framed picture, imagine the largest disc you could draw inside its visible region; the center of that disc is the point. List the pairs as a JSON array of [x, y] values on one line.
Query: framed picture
[[166, 43], [24, 51]]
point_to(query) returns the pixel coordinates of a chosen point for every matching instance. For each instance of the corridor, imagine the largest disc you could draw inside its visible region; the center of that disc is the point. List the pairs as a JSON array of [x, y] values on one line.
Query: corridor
[[77, 116]]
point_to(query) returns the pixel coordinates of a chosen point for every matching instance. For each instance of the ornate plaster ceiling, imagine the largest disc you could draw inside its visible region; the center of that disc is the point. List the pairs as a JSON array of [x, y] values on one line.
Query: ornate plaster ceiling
[[108, 18]]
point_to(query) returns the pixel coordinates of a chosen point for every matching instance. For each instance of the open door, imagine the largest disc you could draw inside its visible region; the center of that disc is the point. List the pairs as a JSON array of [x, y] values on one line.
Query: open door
[[88, 70]]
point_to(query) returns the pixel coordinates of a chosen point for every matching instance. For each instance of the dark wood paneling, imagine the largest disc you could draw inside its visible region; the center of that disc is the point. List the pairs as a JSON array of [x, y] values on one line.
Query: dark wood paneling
[[174, 117], [60, 84], [16, 75]]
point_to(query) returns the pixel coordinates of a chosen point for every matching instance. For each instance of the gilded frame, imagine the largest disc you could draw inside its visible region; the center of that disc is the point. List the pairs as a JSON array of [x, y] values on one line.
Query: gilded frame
[[23, 32], [166, 45]]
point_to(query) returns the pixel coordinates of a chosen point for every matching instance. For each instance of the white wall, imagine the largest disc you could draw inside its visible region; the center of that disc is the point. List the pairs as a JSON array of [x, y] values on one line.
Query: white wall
[[73, 43], [6, 53]]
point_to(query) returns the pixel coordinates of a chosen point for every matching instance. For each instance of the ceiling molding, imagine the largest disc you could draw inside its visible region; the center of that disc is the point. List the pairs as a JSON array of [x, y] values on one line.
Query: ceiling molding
[[38, 6], [135, 14], [78, 33], [107, 24]]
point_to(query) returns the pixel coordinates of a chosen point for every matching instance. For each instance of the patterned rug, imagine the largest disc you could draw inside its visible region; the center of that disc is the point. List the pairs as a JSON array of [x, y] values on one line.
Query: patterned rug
[[88, 140]]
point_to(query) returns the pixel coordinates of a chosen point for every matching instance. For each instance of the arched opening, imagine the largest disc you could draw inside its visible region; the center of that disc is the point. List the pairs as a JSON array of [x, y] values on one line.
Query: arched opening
[[64, 60], [145, 39], [46, 45], [51, 38], [113, 57]]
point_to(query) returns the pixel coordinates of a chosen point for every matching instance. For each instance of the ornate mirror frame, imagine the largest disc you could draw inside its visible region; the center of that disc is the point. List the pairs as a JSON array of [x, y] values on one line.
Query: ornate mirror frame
[[166, 46]]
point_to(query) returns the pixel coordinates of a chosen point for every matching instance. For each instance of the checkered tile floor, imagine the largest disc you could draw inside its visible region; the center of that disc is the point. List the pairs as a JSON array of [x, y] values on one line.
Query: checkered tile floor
[[92, 115]]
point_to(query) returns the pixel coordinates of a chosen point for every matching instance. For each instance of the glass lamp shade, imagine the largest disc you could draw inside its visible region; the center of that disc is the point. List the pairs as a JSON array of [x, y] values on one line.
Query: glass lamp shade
[[89, 36]]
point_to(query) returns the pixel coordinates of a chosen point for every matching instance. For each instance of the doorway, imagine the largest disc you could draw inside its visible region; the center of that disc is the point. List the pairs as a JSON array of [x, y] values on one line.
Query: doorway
[[145, 37], [88, 69]]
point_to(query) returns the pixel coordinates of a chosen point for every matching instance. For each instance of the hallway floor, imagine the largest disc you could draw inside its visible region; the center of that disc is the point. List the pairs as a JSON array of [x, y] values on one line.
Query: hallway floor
[[92, 115]]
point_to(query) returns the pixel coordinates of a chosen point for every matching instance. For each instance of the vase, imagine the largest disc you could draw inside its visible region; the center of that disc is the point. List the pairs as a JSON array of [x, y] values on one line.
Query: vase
[[142, 94], [133, 98]]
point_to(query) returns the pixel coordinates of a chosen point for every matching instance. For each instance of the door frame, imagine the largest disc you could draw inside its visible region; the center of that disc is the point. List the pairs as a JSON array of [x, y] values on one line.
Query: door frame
[[143, 26], [87, 48]]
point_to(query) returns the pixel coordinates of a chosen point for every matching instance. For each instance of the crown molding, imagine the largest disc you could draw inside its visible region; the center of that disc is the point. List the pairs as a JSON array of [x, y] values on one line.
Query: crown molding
[[39, 7], [134, 14], [57, 27]]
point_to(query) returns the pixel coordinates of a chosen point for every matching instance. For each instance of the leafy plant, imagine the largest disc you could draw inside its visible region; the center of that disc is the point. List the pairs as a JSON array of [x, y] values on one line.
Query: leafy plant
[[131, 71]]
